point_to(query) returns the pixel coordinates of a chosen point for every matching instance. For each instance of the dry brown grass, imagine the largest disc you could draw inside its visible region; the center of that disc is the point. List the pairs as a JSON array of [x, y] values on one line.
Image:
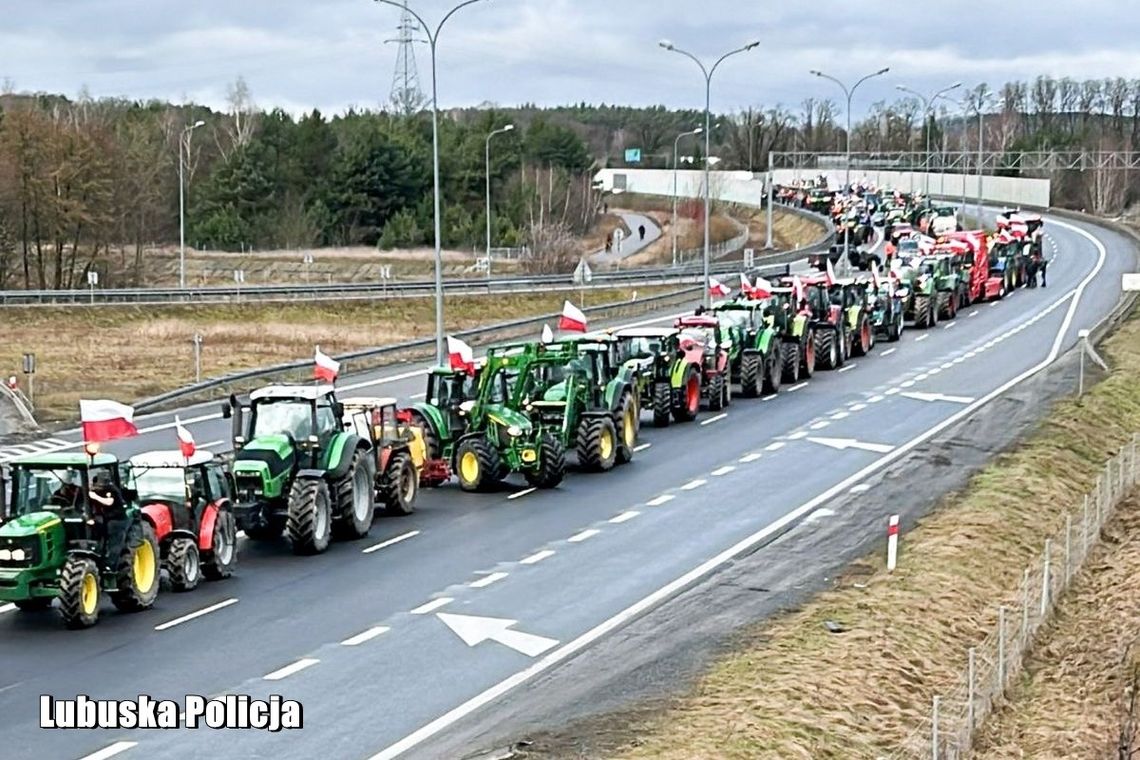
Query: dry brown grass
[[1070, 700], [127, 353], [793, 690]]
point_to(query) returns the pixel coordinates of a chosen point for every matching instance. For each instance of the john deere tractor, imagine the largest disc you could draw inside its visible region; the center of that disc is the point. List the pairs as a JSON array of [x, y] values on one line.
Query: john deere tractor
[[474, 428], [70, 530], [670, 381], [297, 470], [756, 356]]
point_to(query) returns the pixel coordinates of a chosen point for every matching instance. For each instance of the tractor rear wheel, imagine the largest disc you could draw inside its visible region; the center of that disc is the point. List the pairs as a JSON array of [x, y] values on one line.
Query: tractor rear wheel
[[922, 311], [551, 463], [79, 592], [790, 361], [625, 421], [310, 518], [218, 562], [773, 370], [137, 570], [184, 565], [662, 404], [689, 398], [477, 465], [751, 375], [400, 485], [33, 604], [597, 444], [355, 502], [716, 393]]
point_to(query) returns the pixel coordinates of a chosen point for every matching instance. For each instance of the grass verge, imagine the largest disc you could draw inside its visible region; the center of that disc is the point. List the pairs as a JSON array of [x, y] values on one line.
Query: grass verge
[[131, 352], [793, 690]]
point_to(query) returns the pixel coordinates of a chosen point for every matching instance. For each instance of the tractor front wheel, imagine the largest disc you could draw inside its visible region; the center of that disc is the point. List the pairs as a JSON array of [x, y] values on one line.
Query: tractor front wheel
[[184, 565], [79, 593], [662, 404], [716, 393], [773, 370], [689, 396], [310, 516], [923, 311], [551, 463], [751, 375], [476, 465], [597, 444], [625, 421], [137, 571], [828, 349], [791, 362], [807, 369], [218, 562], [355, 503], [400, 485]]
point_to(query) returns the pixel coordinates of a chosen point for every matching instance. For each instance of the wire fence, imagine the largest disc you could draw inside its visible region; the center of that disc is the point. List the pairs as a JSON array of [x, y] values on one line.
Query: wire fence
[[949, 731]]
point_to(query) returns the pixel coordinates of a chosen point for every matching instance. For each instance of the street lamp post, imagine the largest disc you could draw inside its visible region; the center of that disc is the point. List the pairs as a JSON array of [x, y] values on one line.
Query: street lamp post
[[850, 93], [433, 38], [751, 128], [928, 104], [708, 74], [184, 138], [673, 228], [504, 130], [966, 106]]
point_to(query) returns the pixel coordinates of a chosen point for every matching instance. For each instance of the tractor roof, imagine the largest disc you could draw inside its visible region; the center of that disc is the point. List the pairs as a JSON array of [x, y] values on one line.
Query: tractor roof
[[370, 402], [302, 392], [697, 320], [171, 459], [75, 459], [646, 332]]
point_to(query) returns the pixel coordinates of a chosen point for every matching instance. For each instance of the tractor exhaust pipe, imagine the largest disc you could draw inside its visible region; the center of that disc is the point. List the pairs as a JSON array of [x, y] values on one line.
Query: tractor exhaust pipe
[[233, 409]]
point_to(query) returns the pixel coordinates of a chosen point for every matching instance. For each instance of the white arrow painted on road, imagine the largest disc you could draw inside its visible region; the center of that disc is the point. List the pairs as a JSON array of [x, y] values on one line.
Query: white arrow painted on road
[[475, 630], [917, 396], [850, 443]]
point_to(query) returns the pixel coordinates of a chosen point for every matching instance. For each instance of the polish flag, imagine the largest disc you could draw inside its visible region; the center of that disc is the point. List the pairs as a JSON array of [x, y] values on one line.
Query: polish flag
[[718, 288], [547, 334], [573, 320], [326, 367], [761, 288], [797, 290], [185, 440], [104, 420], [875, 277], [830, 273], [745, 285], [460, 355]]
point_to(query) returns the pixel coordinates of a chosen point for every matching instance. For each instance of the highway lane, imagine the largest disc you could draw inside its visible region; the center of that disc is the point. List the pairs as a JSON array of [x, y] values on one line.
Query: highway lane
[[419, 669]]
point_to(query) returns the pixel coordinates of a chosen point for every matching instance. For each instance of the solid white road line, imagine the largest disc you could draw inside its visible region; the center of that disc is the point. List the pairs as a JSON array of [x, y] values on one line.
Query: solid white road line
[[921, 338], [6, 608], [110, 751], [522, 493], [537, 557], [647, 603], [391, 541], [197, 614], [774, 446], [659, 500], [717, 418], [364, 636], [624, 517], [210, 444], [795, 388], [431, 606], [848, 368], [288, 670], [418, 395], [747, 458], [585, 535], [693, 484], [861, 488], [641, 447], [888, 352], [486, 581], [723, 470]]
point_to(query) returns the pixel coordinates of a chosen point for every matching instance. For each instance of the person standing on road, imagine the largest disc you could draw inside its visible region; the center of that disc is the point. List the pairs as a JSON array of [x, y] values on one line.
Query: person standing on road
[[641, 231], [609, 241]]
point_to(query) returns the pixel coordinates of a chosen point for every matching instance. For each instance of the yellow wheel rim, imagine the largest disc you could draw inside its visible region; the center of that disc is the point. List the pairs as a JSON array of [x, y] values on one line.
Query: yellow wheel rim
[[606, 444], [89, 594], [143, 567], [628, 430], [469, 467]]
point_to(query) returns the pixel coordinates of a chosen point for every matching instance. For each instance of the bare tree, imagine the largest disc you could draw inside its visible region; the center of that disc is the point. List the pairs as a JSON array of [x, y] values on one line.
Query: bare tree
[[242, 124]]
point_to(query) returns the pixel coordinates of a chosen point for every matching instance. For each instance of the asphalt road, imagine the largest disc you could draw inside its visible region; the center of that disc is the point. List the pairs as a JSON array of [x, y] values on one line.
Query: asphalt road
[[361, 630], [631, 244]]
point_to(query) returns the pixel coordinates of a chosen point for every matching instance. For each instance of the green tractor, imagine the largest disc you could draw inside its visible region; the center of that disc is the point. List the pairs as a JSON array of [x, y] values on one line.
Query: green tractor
[[669, 381], [852, 297], [70, 530], [473, 428], [793, 324], [297, 470], [756, 356], [931, 284]]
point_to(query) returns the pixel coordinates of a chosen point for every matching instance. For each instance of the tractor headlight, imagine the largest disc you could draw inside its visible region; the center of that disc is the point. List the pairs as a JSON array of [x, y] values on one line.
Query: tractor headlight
[[514, 431], [5, 555], [19, 555]]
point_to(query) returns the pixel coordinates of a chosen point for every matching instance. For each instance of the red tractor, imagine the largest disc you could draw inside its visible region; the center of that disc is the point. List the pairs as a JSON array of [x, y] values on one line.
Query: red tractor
[[979, 283], [187, 500], [704, 341]]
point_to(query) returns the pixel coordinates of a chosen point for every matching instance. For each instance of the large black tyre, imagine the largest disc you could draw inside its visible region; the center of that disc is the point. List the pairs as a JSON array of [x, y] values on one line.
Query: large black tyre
[[716, 393], [400, 485], [431, 435], [79, 592], [790, 361], [625, 422], [310, 517], [894, 329], [827, 349], [751, 375], [688, 395], [864, 341], [355, 499], [137, 569], [219, 560], [808, 356], [551, 463], [662, 404], [597, 444], [923, 312], [773, 370], [184, 565], [477, 464], [33, 604]]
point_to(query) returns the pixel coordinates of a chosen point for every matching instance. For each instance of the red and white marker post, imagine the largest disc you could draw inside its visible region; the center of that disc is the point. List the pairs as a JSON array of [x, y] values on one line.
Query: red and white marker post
[[892, 543]]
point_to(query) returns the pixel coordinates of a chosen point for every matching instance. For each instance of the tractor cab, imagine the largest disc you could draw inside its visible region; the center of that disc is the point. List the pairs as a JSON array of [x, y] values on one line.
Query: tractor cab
[[182, 487], [285, 422]]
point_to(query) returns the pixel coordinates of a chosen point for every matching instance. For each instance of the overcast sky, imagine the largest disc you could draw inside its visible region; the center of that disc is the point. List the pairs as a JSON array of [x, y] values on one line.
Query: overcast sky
[[330, 54]]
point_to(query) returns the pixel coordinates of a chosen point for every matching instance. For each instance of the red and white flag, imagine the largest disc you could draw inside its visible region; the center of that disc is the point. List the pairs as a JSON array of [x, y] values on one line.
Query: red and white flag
[[104, 420], [547, 334], [761, 288], [326, 368], [797, 290], [745, 285], [875, 277], [718, 288], [573, 320], [185, 440], [459, 355], [830, 272]]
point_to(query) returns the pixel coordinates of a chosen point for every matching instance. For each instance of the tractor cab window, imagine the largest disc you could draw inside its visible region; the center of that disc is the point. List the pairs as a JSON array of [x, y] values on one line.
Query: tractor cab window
[[642, 347], [501, 385], [326, 419], [283, 416], [47, 489], [216, 482], [702, 336], [161, 484]]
